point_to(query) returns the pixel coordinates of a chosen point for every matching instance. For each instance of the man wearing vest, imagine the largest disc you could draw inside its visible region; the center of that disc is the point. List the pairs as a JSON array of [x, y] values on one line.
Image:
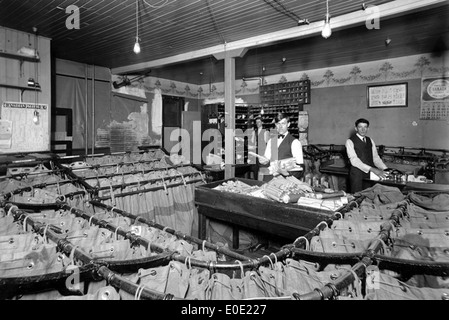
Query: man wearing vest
[[363, 156], [284, 146], [259, 139]]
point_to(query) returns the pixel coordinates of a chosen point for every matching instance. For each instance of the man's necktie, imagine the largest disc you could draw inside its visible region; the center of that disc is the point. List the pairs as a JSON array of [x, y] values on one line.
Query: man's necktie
[[281, 136], [364, 140]]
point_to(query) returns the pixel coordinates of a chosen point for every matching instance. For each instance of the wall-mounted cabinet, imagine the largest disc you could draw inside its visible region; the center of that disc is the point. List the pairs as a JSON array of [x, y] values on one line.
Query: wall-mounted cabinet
[[285, 97]]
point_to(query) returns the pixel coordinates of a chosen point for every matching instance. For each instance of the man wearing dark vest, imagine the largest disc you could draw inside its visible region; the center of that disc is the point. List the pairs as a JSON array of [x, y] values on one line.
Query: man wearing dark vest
[[284, 146], [363, 156], [259, 139]]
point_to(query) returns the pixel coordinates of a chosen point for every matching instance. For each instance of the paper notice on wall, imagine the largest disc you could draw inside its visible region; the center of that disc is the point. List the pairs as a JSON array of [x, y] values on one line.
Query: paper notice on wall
[[435, 99], [5, 134], [303, 126], [29, 126]]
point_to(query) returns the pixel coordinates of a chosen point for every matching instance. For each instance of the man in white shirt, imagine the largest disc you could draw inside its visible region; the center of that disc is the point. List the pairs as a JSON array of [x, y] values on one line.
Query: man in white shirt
[[284, 145], [363, 156]]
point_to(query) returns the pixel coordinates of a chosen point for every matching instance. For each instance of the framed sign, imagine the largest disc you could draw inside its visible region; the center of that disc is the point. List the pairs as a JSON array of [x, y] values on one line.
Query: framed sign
[[386, 96]]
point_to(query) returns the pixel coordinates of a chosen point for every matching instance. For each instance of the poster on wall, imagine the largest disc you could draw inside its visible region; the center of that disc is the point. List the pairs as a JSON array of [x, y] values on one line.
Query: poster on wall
[[5, 134], [303, 126], [435, 99], [390, 95], [25, 127]]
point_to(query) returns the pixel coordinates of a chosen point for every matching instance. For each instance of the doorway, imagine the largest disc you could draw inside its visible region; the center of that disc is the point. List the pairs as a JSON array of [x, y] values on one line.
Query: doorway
[[172, 108]]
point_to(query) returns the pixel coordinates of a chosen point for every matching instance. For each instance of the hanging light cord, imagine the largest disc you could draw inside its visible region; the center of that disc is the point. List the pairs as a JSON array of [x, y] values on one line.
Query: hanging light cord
[[214, 22], [36, 67], [137, 20], [283, 10]]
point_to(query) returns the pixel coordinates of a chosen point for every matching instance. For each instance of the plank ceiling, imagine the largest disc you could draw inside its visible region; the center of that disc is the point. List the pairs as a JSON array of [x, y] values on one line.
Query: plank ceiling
[[168, 28]]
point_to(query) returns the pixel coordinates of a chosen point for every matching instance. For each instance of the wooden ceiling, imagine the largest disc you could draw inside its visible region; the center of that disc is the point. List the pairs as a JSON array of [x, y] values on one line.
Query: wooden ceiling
[[169, 28]]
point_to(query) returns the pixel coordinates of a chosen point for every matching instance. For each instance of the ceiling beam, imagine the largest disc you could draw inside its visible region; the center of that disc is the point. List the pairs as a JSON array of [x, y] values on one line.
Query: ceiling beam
[[236, 53], [387, 10]]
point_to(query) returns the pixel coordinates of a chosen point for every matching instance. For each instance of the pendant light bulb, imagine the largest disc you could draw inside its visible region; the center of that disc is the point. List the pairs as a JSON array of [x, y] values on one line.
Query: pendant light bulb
[[137, 46], [327, 30], [36, 117]]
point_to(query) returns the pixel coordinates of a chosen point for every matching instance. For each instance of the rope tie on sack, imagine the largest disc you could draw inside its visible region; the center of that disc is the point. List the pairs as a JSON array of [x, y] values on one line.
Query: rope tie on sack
[[138, 187], [275, 258], [215, 280], [10, 209], [356, 204], [190, 262], [112, 212], [136, 220], [402, 286], [202, 177], [90, 220], [62, 198], [318, 225], [45, 233], [112, 193], [97, 254], [384, 246], [357, 281], [183, 179], [271, 261], [139, 291], [242, 272], [25, 223], [339, 213], [72, 255], [116, 232], [58, 187], [302, 237]]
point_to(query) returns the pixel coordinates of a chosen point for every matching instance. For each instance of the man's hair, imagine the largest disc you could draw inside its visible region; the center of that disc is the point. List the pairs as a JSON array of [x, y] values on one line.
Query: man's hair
[[281, 116], [258, 118], [361, 120]]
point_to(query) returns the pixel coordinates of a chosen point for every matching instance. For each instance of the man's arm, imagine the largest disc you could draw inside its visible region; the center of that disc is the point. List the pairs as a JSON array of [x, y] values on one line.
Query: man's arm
[[266, 135], [267, 154], [253, 137], [376, 159], [355, 161], [297, 151]]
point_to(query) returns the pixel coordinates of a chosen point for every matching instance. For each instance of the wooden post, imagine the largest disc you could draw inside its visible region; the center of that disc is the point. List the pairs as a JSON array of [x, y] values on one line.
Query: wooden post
[[229, 86]]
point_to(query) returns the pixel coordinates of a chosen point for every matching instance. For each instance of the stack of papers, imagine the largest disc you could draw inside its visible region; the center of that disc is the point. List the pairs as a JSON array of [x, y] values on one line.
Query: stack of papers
[[331, 205]]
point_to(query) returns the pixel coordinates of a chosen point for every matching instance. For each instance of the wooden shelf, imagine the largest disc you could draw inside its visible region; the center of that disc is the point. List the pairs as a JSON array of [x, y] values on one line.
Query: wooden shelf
[[17, 56], [23, 88]]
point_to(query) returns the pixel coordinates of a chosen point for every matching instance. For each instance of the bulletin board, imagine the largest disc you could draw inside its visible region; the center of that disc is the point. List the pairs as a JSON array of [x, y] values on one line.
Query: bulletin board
[[24, 127], [387, 96]]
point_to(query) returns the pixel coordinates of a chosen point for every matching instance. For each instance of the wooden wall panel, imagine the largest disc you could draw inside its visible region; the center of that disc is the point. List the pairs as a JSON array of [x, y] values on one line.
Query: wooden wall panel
[[16, 72]]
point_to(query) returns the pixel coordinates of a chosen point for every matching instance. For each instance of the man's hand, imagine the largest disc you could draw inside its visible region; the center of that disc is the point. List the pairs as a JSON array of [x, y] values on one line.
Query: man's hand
[[263, 160], [380, 173]]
